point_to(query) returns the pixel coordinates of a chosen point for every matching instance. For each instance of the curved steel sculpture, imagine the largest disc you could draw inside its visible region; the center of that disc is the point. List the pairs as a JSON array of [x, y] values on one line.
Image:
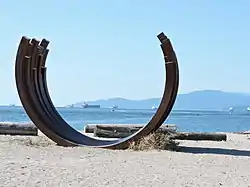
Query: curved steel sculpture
[[30, 73]]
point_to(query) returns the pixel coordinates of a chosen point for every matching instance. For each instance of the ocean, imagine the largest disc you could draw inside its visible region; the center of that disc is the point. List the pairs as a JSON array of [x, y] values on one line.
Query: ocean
[[185, 120]]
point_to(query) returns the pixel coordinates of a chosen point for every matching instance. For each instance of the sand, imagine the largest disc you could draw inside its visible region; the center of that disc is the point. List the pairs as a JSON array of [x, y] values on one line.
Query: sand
[[36, 161]]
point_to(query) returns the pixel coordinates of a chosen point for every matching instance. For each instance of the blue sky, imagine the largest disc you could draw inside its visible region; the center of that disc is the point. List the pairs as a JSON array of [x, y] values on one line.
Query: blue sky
[[102, 49]]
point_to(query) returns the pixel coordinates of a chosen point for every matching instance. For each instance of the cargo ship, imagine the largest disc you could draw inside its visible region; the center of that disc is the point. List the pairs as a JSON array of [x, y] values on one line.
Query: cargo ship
[[86, 105]]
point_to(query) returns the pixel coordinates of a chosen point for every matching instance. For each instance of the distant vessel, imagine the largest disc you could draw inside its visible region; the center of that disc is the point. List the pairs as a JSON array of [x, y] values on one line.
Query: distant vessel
[[154, 107], [248, 109], [115, 107], [230, 109], [86, 105], [69, 106]]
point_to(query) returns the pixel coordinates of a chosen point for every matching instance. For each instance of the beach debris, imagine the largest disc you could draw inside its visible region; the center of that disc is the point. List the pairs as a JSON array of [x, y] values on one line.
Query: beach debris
[[122, 131], [14, 128], [103, 131], [89, 128], [199, 136], [158, 141]]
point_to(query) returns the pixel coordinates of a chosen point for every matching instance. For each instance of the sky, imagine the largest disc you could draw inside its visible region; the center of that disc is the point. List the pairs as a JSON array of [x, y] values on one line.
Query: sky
[[103, 49]]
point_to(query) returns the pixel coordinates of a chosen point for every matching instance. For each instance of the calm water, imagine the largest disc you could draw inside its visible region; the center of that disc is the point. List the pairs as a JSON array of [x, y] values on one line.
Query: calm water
[[196, 121]]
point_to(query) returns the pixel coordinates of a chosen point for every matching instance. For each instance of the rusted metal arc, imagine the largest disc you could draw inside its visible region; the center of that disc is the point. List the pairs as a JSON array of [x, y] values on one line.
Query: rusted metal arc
[[50, 125], [57, 124], [33, 92], [26, 90], [169, 57], [48, 107]]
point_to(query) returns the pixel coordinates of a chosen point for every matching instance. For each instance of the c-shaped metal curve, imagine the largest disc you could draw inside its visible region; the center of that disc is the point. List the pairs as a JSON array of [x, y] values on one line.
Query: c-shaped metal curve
[[27, 92], [33, 92]]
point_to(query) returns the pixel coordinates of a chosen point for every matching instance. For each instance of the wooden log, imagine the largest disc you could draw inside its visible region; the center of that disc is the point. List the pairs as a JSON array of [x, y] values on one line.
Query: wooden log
[[122, 132], [199, 136], [110, 134], [90, 127], [104, 132], [130, 129], [26, 129]]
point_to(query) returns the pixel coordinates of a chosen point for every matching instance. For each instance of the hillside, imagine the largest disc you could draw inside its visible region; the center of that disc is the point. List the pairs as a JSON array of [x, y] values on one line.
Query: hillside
[[198, 100]]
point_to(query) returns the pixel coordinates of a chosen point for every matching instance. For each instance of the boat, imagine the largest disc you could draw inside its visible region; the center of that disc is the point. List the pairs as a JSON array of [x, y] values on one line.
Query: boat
[[86, 105], [154, 107], [113, 108], [248, 109], [70, 106], [230, 109]]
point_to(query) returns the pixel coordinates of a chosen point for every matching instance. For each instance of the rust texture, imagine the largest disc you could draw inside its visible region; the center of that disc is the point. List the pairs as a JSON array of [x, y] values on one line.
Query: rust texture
[[31, 82]]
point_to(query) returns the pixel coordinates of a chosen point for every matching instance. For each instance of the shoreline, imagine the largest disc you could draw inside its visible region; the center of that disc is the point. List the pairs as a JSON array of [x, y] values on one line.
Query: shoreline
[[37, 161]]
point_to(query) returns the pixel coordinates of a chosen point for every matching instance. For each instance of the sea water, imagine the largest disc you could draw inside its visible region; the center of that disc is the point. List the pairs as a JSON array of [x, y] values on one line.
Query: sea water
[[185, 120]]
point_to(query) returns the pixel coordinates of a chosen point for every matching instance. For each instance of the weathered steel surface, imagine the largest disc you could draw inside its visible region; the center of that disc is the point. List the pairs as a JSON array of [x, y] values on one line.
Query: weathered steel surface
[[30, 72]]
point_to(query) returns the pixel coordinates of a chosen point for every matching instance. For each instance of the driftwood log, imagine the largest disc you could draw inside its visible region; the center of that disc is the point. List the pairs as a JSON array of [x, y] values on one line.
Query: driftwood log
[[122, 127], [26, 129], [199, 136], [122, 132]]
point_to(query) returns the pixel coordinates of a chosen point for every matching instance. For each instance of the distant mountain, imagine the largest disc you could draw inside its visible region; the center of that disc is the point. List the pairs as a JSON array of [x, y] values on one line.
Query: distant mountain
[[212, 100], [197, 100]]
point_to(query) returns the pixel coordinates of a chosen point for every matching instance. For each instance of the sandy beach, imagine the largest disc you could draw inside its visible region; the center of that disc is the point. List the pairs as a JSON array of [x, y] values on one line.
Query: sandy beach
[[36, 161]]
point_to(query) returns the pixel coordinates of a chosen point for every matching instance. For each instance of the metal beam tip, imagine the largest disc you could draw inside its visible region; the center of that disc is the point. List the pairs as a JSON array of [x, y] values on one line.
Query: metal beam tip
[[162, 37]]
